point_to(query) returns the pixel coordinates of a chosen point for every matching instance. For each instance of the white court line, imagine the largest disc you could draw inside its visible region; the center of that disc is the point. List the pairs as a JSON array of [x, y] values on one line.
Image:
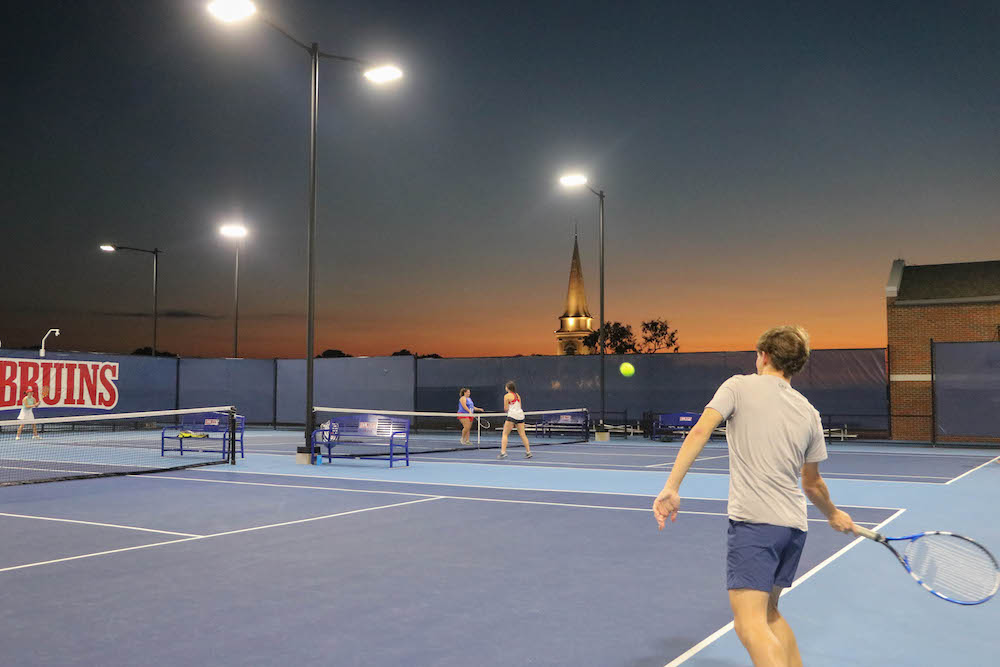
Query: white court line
[[697, 648], [827, 473], [94, 523], [205, 537], [535, 462], [940, 455], [466, 486], [447, 497], [969, 472], [704, 458]]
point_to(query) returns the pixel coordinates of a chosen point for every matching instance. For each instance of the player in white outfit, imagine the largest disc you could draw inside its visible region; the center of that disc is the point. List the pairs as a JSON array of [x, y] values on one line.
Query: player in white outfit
[[515, 415], [27, 413]]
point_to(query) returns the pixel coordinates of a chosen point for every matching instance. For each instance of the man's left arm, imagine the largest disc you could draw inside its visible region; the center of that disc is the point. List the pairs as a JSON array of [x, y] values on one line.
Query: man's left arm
[[668, 501]]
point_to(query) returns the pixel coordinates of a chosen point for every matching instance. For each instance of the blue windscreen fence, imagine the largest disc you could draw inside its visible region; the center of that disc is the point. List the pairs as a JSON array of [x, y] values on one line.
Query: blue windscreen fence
[[847, 386], [245, 383], [967, 390]]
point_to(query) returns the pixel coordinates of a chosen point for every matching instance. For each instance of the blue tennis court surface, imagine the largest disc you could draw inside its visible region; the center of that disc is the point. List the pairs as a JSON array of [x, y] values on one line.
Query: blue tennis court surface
[[460, 559]]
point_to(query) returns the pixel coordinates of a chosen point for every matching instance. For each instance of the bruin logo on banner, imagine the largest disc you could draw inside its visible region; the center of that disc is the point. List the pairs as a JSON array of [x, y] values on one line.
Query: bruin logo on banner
[[71, 384]]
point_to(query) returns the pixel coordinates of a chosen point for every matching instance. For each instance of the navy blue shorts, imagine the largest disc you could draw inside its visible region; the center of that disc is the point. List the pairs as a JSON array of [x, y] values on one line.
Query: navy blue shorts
[[762, 556]]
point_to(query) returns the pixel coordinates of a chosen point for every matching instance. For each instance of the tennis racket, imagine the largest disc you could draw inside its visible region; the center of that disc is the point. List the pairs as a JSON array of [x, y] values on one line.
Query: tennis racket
[[952, 567]]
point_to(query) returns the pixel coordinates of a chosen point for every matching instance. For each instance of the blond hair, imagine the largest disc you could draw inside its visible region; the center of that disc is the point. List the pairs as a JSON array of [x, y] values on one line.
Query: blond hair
[[787, 348]]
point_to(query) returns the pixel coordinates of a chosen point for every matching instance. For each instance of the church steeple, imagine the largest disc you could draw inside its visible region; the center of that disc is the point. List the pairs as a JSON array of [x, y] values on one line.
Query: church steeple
[[576, 322]]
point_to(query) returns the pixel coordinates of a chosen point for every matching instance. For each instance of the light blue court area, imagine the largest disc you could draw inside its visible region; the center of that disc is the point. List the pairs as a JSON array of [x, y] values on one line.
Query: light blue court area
[[460, 559]]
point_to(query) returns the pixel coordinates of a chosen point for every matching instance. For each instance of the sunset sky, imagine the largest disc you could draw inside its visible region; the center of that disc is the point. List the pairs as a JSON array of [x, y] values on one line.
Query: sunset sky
[[764, 163]]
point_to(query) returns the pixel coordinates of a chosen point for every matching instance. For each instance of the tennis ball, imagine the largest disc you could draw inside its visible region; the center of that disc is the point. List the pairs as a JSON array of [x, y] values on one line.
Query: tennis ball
[[627, 369]]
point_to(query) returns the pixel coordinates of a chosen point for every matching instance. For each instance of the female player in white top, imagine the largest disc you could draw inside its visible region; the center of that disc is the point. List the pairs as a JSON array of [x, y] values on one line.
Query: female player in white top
[[27, 411], [515, 415]]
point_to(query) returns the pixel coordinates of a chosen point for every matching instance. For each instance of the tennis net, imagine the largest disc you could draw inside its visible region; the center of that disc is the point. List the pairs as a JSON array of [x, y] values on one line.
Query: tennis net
[[359, 433], [60, 448]]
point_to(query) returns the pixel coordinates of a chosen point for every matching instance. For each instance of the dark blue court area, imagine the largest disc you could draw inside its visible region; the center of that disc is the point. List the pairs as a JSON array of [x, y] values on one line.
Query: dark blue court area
[[223, 568], [458, 559]]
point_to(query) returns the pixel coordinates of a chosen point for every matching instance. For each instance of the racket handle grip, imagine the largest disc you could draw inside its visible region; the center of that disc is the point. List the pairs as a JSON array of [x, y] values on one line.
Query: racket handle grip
[[864, 532]]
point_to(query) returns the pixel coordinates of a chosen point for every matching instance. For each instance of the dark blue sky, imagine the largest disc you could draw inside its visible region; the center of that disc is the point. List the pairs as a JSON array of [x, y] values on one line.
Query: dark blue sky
[[764, 162]]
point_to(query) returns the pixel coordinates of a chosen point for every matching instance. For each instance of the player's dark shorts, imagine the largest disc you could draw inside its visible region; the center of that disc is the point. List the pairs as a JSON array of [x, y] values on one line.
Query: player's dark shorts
[[514, 421], [762, 556]]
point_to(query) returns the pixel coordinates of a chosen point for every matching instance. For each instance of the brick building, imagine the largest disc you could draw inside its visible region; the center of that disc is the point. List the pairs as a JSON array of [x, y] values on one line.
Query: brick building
[[939, 302]]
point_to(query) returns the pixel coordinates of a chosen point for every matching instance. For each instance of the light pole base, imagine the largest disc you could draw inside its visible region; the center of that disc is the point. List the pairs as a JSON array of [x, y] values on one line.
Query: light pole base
[[602, 436], [303, 457]]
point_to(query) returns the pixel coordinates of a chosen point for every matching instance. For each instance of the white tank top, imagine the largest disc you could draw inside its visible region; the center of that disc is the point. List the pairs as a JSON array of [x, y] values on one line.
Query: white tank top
[[514, 408]]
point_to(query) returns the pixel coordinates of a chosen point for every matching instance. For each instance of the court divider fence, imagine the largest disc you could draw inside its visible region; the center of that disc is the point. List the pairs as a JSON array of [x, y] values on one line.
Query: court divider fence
[[966, 390], [848, 387]]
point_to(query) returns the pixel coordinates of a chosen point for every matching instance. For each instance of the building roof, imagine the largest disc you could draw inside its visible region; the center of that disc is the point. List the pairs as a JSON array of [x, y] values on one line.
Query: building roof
[[966, 282], [576, 296]]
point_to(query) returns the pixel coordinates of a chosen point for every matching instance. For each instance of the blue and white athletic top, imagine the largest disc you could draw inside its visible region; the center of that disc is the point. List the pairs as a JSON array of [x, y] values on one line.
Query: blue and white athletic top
[[462, 410]]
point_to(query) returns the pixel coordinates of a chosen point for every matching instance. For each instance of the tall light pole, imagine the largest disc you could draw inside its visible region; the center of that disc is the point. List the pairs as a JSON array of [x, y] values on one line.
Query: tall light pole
[[573, 181], [237, 232], [230, 11], [155, 252]]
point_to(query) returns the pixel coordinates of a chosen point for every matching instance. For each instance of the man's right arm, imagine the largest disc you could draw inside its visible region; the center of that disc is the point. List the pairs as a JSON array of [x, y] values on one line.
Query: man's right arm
[[819, 495]]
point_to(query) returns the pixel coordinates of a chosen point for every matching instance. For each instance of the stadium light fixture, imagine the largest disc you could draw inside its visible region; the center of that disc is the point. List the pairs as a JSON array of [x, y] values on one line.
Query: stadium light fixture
[[231, 11], [237, 232], [572, 180], [155, 252], [575, 180], [384, 74], [233, 230]]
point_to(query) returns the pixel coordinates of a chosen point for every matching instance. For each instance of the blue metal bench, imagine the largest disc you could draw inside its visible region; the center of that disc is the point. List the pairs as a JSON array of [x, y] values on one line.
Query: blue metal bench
[[673, 423], [205, 427], [353, 436], [563, 423]]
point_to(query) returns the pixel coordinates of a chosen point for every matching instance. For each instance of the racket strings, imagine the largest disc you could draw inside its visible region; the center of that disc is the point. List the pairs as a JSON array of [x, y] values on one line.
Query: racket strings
[[954, 567]]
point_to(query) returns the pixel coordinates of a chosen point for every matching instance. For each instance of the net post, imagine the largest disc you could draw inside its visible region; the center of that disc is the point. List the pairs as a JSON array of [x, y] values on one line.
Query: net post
[[232, 435]]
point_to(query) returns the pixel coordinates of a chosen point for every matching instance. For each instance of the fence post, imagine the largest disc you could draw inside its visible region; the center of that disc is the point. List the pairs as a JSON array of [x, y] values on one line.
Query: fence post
[[933, 399], [888, 386]]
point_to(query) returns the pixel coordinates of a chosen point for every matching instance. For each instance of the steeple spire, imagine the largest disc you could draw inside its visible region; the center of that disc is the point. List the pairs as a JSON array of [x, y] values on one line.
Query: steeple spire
[[576, 296], [576, 323]]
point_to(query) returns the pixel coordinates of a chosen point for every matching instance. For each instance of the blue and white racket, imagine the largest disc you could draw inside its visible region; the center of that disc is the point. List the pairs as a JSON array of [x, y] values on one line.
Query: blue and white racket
[[950, 566]]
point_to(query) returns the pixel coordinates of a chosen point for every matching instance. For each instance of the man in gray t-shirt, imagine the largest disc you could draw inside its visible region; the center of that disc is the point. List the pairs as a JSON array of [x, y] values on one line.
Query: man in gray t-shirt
[[774, 435]]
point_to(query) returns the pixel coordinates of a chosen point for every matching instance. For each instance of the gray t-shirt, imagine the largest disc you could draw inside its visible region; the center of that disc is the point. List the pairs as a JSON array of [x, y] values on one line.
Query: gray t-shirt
[[772, 431]]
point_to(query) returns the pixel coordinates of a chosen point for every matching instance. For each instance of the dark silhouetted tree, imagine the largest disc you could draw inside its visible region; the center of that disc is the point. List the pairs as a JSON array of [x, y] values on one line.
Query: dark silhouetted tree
[[657, 335], [148, 351], [618, 339]]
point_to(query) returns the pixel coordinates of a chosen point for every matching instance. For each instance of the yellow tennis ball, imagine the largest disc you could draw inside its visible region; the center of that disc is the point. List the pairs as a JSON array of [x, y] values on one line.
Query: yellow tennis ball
[[626, 369]]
